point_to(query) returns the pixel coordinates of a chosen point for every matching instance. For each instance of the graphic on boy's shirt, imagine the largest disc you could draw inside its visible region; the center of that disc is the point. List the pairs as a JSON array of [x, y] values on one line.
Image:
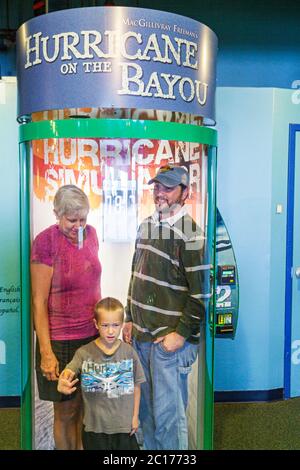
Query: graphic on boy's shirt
[[112, 378]]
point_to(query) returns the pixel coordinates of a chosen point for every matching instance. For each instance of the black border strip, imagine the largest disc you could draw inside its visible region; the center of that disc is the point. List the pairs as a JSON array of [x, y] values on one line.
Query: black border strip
[[10, 402], [249, 395]]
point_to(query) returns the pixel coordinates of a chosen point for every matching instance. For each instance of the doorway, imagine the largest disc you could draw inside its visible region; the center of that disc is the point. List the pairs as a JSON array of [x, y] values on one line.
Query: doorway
[[292, 293]]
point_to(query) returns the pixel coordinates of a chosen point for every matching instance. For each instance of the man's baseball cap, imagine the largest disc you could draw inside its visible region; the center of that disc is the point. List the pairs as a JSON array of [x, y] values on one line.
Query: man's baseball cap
[[171, 176]]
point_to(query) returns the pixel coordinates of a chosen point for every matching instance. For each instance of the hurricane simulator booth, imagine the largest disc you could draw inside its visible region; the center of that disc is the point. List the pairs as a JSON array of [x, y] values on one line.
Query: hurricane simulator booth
[[107, 96]]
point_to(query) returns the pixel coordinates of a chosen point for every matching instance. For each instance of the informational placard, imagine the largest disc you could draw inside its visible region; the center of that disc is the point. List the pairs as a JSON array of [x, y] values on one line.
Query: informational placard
[[116, 57], [10, 314]]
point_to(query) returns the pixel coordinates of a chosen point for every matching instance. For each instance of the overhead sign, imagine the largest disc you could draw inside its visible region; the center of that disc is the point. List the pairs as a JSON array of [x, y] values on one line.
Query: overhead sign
[[116, 57]]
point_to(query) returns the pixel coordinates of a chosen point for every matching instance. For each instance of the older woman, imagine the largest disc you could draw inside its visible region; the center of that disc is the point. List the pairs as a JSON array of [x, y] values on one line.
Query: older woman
[[65, 277]]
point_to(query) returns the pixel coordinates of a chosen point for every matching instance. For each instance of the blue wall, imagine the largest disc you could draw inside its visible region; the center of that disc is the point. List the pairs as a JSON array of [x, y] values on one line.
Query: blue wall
[[244, 119], [252, 179]]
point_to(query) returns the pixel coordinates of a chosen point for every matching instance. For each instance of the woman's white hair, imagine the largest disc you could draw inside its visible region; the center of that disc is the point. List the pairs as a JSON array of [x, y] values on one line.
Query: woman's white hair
[[70, 199]]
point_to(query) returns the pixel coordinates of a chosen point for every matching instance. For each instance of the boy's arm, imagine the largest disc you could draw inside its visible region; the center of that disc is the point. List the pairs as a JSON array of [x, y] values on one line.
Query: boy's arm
[[66, 382], [136, 407]]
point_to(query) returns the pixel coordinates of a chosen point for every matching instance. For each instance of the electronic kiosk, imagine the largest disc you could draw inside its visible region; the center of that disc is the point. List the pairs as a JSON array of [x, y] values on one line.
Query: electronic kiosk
[[227, 284], [106, 97]]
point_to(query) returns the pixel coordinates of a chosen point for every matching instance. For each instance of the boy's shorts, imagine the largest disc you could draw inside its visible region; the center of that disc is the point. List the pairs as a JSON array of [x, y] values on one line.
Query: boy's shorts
[[64, 351]]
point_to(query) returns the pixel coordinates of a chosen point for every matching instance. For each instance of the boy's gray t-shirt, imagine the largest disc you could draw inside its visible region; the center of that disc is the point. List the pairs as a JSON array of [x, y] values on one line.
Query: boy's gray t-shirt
[[107, 384]]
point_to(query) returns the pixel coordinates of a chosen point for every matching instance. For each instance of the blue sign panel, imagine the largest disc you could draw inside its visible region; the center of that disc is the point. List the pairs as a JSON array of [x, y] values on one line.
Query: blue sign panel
[[116, 57]]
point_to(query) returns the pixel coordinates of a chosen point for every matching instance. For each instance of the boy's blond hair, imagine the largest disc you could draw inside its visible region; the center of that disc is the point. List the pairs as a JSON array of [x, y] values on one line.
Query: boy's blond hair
[[108, 304]]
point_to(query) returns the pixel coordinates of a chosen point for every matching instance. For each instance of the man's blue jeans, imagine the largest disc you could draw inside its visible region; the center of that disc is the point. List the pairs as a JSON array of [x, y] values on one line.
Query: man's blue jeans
[[164, 396]]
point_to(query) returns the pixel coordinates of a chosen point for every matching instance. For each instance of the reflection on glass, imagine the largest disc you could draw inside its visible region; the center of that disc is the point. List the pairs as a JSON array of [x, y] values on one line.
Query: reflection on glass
[[114, 175]]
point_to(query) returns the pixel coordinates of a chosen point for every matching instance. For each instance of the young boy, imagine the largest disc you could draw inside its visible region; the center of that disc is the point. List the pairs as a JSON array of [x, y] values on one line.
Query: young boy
[[110, 375]]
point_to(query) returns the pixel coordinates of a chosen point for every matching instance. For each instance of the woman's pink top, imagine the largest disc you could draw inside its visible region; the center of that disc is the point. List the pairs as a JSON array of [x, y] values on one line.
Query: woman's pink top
[[75, 286]]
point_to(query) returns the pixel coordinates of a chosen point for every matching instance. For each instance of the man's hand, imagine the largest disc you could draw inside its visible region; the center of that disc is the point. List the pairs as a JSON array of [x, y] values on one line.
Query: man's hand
[[171, 342], [127, 332], [66, 382], [49, 366]]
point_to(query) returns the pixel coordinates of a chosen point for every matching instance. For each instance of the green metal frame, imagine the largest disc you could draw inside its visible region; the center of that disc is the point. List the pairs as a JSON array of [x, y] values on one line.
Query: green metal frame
[[26, 343], [117, 128], [94, 128], [210, 326]]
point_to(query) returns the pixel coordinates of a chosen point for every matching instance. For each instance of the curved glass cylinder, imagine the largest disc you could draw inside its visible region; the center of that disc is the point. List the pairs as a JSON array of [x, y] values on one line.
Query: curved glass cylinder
[[112, 162]]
